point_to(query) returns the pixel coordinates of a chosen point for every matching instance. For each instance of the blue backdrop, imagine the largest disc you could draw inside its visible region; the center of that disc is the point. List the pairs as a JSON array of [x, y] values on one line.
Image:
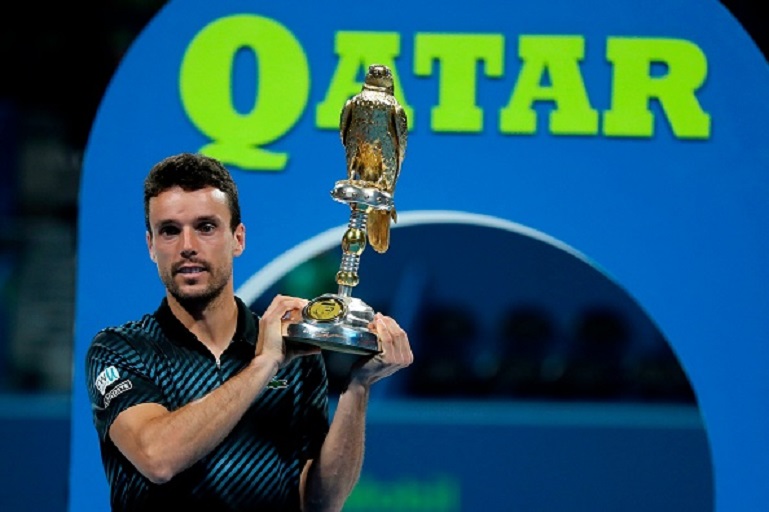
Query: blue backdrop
[[644, 149]]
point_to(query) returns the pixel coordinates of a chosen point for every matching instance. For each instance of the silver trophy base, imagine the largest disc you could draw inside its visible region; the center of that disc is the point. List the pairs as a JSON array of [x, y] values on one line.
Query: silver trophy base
[[337, 323]]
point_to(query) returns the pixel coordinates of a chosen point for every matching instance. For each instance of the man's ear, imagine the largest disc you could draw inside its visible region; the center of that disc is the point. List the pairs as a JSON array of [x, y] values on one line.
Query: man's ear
[[151, 247], [240, 240]]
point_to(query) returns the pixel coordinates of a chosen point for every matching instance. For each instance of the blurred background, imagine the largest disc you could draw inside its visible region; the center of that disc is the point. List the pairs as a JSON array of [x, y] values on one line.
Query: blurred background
[[57, 60]]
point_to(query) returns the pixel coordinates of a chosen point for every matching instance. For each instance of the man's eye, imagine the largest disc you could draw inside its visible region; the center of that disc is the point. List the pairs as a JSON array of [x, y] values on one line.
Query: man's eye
[[168, 231], [207, 227]]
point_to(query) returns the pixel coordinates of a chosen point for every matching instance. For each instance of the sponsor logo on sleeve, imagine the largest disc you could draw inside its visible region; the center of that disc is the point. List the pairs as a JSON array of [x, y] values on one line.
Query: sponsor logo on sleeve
[[105, 378], [116, 391]]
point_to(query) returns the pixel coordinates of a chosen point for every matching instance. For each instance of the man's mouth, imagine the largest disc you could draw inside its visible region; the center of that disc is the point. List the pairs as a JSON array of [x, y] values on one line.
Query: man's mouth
[[190, 270]]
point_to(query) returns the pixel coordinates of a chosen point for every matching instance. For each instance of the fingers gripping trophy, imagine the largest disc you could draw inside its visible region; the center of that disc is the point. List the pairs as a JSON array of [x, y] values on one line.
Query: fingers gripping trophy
[[374, 129]]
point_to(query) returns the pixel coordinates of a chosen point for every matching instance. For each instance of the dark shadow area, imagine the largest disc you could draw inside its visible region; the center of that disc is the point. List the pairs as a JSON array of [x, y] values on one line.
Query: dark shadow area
[[537, 322]]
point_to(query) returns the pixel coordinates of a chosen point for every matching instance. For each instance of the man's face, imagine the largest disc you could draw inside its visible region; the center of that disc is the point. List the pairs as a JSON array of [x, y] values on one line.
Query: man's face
[[192, 243]]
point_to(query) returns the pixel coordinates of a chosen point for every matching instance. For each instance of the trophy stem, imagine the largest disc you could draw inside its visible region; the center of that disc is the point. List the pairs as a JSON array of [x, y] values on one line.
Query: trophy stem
[[353, 244]]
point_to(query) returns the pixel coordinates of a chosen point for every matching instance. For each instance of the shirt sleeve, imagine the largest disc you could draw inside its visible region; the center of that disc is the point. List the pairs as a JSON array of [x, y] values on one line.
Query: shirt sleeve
[[117, 378]]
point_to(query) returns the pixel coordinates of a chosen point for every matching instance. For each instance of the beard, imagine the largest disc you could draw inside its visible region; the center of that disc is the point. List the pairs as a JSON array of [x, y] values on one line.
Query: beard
[[196, 299]]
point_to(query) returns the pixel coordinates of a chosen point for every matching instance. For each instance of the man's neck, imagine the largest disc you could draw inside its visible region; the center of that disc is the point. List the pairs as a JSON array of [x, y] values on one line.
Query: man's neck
[[213, 323]]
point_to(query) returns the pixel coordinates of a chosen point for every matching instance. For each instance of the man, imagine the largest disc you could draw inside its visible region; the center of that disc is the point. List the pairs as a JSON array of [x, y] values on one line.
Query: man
[[202, 403]]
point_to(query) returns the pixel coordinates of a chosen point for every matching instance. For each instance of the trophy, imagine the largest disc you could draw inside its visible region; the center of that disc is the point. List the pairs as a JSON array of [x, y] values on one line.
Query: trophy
[[374, 129]]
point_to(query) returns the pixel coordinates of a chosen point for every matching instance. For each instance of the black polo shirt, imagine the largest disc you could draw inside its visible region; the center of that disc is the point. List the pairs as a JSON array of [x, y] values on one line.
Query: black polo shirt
[[257, 466]]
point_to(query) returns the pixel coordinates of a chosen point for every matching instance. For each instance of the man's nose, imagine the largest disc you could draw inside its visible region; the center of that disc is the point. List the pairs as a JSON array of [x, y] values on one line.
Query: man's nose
[[189, 247]]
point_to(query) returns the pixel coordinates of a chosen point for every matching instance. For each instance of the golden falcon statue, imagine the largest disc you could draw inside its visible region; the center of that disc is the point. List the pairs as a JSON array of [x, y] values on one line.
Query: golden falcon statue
[[374, 129]]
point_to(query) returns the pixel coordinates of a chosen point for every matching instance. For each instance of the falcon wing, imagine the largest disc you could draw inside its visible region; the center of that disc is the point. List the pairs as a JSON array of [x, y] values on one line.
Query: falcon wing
[[401, 131], [398, 127], [344, 120]]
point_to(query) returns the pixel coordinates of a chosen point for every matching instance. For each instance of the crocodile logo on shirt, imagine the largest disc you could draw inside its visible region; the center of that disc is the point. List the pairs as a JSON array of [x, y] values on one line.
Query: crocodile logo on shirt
[[277, 384]]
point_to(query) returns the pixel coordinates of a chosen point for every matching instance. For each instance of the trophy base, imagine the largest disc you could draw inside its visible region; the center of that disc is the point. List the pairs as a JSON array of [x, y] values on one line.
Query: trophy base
[[335, 338], [337, 323]]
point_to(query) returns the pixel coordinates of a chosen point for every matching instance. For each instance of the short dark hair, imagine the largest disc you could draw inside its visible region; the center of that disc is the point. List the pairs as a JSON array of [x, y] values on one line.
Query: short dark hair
[[191, 171]]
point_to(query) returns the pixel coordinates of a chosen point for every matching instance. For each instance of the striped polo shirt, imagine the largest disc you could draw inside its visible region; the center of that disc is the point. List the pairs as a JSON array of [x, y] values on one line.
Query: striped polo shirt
[[257, 466]]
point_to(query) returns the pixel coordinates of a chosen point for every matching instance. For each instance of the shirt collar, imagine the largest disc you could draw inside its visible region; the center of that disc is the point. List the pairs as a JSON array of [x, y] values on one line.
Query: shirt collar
[[246, 329]]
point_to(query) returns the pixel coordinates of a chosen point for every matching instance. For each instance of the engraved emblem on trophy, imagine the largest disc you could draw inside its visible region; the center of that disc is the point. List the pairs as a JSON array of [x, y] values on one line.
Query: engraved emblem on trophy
[[374, 129]]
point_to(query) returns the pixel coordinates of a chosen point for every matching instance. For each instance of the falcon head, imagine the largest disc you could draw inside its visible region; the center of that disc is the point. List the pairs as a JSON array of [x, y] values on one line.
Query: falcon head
[[379, 77]]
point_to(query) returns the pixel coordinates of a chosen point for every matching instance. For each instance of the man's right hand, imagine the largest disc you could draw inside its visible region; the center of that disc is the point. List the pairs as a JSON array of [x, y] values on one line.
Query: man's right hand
[[273, 325]]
